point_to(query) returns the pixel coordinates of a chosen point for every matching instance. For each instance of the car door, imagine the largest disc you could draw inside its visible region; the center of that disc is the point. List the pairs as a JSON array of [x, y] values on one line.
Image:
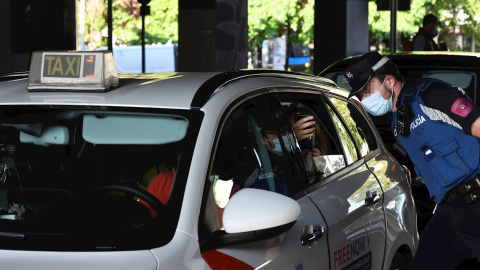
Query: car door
[[344, 189], [244, 158]]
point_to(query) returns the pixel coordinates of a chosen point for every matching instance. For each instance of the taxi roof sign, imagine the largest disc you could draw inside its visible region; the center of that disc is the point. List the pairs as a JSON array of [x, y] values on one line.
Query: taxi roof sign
[[72, 71]]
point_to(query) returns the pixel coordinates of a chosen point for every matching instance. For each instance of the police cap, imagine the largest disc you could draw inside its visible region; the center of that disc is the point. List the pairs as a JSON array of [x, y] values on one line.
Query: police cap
[[360, 72]]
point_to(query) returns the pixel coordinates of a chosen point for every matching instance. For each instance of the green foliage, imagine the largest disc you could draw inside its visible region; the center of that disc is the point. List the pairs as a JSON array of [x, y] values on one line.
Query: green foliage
[[408, 22], [160, 26], [266, 20], [270, 19], [125, 21], [95, 13]]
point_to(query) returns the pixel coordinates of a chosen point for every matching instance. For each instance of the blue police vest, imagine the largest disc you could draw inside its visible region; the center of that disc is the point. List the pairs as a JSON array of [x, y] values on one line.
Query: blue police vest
[[443, 154]]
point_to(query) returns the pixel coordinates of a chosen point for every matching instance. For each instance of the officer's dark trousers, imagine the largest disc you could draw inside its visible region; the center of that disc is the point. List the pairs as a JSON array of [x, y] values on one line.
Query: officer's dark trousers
[[451, 235]]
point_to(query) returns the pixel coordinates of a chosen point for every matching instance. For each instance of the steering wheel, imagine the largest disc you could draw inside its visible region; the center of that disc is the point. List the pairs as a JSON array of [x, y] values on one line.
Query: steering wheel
[[151, 200]]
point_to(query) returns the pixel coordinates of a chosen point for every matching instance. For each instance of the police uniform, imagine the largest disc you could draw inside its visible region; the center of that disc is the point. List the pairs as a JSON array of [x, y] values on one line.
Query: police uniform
[[433, 123], [438, 134], [423, 41], [447, 157]]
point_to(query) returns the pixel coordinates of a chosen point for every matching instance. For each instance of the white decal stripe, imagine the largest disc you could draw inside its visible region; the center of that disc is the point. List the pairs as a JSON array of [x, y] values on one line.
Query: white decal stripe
[[437, 115], [380, 63]]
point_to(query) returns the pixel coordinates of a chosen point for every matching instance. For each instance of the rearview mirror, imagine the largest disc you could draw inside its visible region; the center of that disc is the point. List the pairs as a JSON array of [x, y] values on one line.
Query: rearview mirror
[[133, 129]]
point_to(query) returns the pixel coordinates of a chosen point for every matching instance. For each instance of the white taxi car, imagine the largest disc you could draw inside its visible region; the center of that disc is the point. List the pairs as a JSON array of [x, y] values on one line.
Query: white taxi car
[[193, 171]]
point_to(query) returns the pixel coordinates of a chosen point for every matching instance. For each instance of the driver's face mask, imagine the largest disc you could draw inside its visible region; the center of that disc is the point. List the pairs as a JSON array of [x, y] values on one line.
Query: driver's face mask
[[376, 105], [275, 145]]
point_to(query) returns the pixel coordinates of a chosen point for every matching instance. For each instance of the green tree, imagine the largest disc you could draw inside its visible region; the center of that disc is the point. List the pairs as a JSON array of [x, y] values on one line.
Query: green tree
[[408, 22], [160, 26], [266, 20], [270, 19], [458, 15], [93, 25], [126, 22]]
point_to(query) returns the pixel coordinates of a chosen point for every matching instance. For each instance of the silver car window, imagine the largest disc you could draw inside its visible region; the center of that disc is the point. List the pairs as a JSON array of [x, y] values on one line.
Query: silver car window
[[255, 149], [347, 142], [322, 153], [359, 128]]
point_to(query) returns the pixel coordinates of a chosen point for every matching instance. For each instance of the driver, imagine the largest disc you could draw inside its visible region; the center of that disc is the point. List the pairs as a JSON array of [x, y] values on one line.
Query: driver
[[161, 186]]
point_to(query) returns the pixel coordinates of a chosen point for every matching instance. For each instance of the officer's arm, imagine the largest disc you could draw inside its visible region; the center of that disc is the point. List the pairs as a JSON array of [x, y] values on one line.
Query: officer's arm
[[476, 128]]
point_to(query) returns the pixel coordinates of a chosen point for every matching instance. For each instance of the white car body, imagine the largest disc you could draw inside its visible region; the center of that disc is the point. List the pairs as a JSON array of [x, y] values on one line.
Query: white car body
[[352, 234]]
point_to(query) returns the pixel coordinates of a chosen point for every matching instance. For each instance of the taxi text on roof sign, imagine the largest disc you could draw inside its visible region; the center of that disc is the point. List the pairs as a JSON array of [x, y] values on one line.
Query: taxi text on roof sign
[[72, 71]]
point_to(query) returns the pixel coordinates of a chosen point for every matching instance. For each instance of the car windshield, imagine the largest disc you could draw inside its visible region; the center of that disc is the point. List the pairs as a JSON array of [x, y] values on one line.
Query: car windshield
[[83, 178]]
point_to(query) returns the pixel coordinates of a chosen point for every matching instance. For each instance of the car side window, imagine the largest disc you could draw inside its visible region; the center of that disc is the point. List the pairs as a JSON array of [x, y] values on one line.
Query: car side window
[[358, 126], [464, 79], [255, 149], [347, 143], [317, 138], [339, 79]]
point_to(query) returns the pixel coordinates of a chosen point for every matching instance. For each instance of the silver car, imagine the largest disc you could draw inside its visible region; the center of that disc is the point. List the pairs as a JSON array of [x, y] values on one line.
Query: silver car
[[193, 171]]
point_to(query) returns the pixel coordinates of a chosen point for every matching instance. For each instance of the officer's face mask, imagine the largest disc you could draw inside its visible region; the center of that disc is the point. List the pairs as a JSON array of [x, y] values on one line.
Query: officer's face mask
[[376, 105], [433, 32]]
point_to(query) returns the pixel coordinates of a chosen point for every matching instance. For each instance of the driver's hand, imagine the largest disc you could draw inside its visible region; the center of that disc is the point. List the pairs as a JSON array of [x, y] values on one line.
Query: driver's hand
[[314, 152]]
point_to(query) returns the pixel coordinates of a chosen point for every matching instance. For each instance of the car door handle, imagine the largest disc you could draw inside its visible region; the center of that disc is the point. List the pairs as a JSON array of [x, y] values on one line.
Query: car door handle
[[371, 198], [311, 234]]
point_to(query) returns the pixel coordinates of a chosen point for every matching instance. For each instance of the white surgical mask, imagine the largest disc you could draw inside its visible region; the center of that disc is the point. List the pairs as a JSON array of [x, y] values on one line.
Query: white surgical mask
[[376, 104]]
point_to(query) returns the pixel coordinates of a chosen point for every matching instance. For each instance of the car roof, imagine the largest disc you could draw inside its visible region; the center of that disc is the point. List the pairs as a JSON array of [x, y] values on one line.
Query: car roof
[[431, 60], [176, 90], [134, 90]]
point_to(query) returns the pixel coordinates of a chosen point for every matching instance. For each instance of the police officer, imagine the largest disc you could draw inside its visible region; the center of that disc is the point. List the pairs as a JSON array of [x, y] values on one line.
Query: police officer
[[423, 40], [439, 127]]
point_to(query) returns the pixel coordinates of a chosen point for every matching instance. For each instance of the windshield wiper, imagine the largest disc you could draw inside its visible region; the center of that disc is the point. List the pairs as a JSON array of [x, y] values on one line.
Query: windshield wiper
[[19, 236]]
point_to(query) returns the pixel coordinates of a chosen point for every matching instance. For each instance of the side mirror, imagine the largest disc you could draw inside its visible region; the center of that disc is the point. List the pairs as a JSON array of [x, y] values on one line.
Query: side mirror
[[252, 215], [255, 209]]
